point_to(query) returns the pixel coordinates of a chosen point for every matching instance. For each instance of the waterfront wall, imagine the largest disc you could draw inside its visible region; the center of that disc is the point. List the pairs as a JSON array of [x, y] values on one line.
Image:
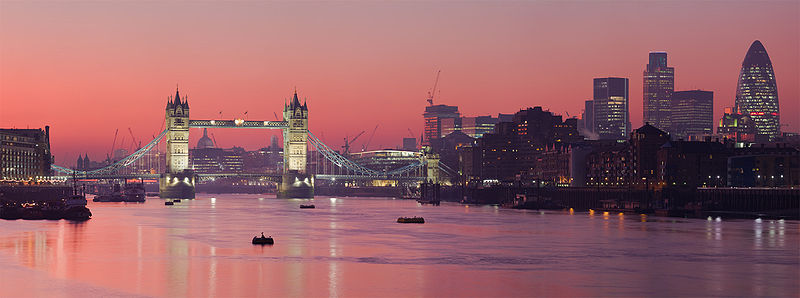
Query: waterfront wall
[[694, 201]]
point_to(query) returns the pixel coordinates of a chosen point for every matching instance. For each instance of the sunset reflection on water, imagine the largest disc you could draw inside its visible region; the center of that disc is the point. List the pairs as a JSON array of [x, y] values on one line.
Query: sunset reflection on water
[[354, 247]]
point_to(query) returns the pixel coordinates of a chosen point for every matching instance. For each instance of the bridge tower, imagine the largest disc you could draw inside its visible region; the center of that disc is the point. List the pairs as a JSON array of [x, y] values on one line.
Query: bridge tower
[[296, 182], [178, 181]]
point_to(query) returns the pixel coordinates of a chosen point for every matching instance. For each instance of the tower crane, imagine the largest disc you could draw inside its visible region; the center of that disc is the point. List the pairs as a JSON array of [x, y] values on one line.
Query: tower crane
[[432, 93], [108, 156], [134, 140], [364, 148], [347, 142], [410, 133]]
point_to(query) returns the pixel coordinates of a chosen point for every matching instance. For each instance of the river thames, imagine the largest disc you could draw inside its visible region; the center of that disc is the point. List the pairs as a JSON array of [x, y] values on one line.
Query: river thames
[[354, 247]]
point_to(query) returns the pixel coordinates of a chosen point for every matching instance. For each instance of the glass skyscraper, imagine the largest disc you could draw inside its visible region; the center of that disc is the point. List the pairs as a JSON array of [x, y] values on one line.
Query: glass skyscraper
[[757, 93], [659, 83], [611, 118]]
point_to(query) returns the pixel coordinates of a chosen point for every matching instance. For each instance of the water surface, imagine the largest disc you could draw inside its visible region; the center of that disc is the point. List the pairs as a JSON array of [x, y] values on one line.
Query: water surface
[[354, 247]]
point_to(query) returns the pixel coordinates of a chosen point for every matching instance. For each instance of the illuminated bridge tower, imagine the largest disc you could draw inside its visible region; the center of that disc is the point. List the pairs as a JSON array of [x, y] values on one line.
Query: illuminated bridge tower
[[296, 182], [178, 181]]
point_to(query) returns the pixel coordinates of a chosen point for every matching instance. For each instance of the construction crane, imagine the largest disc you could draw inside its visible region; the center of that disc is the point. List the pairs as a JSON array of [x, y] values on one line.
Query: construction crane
[[410, 133], [108, 156], [134, 141], [432, 93], [347, 142], [364, 148], [215, 140], [276, 116]]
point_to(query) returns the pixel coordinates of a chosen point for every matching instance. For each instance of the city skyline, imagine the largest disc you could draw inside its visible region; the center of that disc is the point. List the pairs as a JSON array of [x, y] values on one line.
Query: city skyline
[[108, 75]]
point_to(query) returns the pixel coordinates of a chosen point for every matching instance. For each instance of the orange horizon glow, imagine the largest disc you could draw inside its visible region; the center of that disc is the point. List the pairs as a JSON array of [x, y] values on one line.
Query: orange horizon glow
[[89, 68]]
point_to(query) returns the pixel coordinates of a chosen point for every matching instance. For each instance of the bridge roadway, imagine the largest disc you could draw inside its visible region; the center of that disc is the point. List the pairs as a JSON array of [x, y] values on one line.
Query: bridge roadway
[[270, 177], [238, 123]]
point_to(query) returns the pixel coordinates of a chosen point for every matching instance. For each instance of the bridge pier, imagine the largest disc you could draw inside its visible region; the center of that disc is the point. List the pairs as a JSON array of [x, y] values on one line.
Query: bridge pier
[[296, 185], [177, 186]]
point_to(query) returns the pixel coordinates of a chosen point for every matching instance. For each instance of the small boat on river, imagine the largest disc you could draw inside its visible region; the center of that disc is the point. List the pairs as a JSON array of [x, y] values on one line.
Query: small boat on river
[[263, 240], [168, 203], [411, 220], [307, 206]]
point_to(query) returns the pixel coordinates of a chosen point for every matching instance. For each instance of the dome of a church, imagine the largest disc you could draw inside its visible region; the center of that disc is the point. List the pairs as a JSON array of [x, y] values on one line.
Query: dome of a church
[[205, 141]]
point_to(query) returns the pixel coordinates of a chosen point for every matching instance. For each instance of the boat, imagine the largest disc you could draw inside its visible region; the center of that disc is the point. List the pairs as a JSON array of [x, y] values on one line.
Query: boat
[[263, 240], [307, 206], [11, 211], [134, 192], [177, 200], [111, 194], [32, 212], [168, 203], [75, 208], [410, 219], [432, 202]]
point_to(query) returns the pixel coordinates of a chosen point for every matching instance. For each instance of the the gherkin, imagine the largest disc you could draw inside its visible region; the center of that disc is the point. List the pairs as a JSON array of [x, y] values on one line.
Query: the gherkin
[[757, 93]]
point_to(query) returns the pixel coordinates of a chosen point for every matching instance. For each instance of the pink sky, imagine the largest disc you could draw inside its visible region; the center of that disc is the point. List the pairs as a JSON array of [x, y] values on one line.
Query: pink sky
[[88, 68]]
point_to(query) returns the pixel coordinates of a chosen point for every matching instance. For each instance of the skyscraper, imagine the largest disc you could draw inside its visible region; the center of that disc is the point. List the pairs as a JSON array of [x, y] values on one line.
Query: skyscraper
[[692, 113], [757, 93], [659, 83], [433, 121], [588, 120], [610, 103]]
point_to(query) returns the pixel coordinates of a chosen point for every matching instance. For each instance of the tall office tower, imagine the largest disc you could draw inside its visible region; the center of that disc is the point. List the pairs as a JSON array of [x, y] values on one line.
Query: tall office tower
[[611, 118], [692, 114], [757, 93], [587, 129], [659, 83], [433, 121]]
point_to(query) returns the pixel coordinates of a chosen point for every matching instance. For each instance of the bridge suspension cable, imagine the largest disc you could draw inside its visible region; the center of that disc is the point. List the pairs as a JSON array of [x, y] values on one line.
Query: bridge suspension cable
[[344, 162], [116, 165]]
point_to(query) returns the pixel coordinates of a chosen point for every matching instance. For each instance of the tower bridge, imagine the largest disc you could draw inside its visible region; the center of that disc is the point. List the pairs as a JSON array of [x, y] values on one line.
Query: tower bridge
[[178, 180]]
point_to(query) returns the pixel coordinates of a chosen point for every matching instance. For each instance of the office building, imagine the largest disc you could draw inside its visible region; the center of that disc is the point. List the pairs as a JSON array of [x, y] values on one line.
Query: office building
[[25, 153], [736, 126], [692, 114], [433, 121], [611, 117], [757, 92], [659, 84], [410, 144]]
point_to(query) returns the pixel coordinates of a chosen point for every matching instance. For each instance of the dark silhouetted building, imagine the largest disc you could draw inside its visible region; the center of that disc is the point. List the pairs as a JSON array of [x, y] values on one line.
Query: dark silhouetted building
[[692, 114], [410, 144], [693, 164], [659, 84], [610, 102], [644, 143], [514, 150], [764, 166], [586, 125], [757, 93]]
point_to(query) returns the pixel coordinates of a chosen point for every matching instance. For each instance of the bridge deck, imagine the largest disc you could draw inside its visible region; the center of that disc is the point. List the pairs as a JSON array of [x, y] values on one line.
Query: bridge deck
[[238, 123]]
